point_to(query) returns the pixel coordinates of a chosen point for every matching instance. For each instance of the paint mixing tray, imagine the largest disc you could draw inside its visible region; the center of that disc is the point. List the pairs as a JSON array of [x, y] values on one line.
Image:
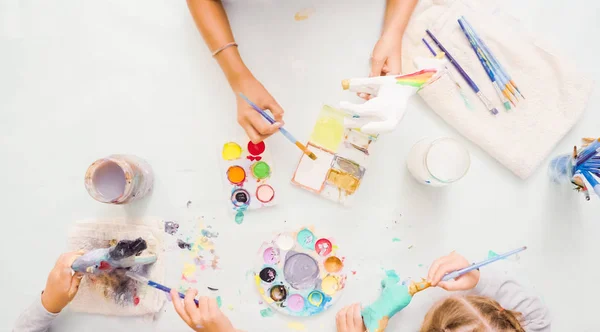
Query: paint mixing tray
[[342, 158], [246, 170], [299, 273]]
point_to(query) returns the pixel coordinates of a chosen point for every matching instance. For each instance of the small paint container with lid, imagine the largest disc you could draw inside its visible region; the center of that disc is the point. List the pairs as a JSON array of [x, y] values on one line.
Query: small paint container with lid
[[119, 179]]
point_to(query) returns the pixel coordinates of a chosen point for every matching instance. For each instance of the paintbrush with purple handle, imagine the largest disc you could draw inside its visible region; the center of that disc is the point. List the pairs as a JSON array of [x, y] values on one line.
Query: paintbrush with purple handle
[[153, 284], [464, 74]]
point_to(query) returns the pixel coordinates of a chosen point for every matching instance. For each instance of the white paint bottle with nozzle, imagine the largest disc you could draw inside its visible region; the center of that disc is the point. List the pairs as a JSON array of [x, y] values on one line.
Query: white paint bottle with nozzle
[[119, 179]]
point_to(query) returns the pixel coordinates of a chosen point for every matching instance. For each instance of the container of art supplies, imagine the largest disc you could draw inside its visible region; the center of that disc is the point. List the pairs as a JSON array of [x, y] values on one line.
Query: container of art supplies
[[119, 179], [438, 161], [560, 169]]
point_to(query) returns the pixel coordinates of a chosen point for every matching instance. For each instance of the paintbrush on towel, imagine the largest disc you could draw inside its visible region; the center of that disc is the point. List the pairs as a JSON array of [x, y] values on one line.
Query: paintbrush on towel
[[498, 68], [451, 76], [486, 65], [281, 129], [489, 106]]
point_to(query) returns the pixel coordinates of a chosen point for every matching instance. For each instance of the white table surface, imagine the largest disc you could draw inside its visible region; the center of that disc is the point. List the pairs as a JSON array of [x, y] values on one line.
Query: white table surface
[[83, 79]]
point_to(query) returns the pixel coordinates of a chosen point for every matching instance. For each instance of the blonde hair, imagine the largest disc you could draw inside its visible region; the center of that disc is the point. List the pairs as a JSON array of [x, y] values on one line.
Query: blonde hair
[[471, 313]]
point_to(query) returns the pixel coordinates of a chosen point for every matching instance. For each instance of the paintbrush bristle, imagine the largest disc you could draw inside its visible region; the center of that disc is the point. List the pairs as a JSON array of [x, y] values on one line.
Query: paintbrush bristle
[[494, 111], [312, 156]]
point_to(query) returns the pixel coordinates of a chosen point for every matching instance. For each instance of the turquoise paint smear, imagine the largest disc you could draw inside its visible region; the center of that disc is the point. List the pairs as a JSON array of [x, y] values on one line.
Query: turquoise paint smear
[[394, 297], [492, 254], [395, 239], [391, 275], [267, 313], [219, 301], [239, 217]]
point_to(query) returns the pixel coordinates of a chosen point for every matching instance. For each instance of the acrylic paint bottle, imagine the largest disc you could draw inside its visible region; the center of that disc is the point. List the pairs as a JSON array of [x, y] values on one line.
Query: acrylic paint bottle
[[438, 161], [119, 179], [560, 169]]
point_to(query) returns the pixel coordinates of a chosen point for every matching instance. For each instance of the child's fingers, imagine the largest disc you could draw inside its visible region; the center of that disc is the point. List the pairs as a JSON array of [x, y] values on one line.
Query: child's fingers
[[350, 317], [179, 308], [190, 306], [363, 95], [67, 259], [394, 64], [253, 135], [434, 269], [204, 307], [447, 267], [464, 282], [276, 110], [377, 64], [74, 287], [213, 307], [356, 315], [340, 320], [262, 126]]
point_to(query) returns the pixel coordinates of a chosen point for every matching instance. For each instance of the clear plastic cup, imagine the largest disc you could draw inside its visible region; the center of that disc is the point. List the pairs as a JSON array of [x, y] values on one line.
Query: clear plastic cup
[[438, 162]]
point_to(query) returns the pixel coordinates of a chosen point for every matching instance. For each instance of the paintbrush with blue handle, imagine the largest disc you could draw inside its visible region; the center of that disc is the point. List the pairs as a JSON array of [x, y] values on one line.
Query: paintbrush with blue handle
[[486, 65], [475, 266], [153, 284]]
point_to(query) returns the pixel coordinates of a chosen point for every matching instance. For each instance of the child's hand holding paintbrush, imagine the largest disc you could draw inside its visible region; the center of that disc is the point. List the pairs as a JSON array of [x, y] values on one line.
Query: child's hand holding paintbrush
[[253, 123], [395, 295]]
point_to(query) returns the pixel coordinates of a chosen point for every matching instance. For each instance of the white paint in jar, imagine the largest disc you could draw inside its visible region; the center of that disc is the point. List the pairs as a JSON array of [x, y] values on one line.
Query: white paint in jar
[[438, 162]]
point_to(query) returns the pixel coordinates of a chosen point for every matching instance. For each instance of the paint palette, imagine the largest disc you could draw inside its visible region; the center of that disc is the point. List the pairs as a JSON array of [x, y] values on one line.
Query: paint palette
[[342, 156], [247, 169], [299, 273]]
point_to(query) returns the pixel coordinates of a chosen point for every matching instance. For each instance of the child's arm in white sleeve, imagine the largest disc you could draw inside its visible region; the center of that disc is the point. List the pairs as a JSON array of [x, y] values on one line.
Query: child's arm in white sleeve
[[34, 319], [512, 296]]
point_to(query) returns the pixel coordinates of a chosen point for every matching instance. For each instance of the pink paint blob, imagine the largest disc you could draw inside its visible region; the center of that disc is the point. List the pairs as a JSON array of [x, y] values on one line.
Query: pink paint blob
[[109, 180], [265, 193], [295, 302], [271, 256]]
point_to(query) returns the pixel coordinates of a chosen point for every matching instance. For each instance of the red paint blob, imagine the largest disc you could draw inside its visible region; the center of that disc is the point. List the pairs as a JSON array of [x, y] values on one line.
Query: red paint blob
[[253, 158], [323, 247], [104, 266], [256, 149], [136, 300]]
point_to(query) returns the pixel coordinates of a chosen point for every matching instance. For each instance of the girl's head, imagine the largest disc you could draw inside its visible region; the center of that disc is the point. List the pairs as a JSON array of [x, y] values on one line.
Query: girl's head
[[470, 314]]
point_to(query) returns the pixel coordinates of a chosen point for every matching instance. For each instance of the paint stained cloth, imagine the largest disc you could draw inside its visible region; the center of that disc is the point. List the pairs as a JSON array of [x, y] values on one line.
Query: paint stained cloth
[[120, 296]]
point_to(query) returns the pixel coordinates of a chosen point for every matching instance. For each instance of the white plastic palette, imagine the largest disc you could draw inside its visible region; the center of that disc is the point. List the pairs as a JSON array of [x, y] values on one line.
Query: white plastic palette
[[299, 273], [342, 157], [246, 169]]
